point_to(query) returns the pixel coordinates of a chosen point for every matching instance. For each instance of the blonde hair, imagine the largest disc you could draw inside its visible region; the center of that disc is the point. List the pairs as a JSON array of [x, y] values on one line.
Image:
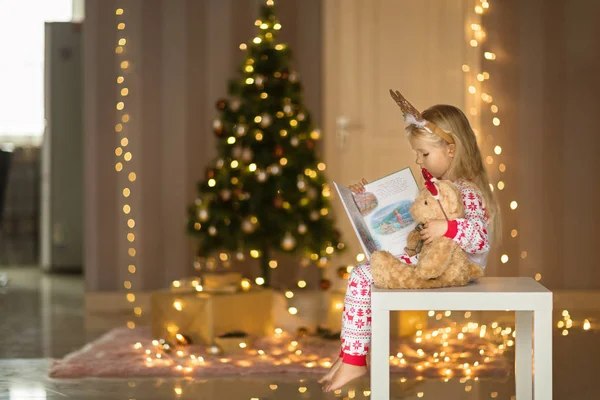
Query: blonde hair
[[467, 162]]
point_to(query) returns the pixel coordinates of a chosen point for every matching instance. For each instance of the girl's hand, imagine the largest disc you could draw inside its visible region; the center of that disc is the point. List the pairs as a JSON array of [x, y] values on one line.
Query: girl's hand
[[433, 230], [359, 187]]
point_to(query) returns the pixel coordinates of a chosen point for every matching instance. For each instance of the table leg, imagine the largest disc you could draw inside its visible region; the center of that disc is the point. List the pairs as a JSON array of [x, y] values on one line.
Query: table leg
[[523, 362], [542, 354], [380, 355]]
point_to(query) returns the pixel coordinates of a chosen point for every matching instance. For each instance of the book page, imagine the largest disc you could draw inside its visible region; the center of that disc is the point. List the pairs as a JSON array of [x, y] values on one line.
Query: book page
[[381, 215], [385, 207], [356, 219]]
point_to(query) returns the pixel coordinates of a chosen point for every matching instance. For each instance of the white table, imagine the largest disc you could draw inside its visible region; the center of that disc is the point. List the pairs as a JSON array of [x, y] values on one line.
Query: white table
[[523, 295]]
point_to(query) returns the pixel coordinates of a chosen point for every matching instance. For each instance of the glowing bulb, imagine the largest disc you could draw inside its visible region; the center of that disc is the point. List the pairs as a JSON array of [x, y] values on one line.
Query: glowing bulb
[[260, 281], [504, 258], [293, 310], [586, 325], [301, 284], [513, 205], [472, 89], [496, 121], [289, 294], [257, 40], [212, 182], [498, 150]]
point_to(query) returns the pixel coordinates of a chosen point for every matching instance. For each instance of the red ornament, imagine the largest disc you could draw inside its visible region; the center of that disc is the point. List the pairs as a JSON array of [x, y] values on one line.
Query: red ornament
[[221, 104], [278, 202], [325, 284], [310, 144], [278, 151], [210, 173]]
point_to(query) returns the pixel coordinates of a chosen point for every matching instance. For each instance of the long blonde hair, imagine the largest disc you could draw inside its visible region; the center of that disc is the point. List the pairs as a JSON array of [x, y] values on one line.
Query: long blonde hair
[[467, 162]]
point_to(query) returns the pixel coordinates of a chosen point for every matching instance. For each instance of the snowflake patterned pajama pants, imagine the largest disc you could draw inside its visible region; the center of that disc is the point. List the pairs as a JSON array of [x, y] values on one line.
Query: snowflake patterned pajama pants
[[356, 316]]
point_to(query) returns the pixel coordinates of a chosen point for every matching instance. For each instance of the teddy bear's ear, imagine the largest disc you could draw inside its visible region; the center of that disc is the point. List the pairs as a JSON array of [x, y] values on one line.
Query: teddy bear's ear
[[451, 199]]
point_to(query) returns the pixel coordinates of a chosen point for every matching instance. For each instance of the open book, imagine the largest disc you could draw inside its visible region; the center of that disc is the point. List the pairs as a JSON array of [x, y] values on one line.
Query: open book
[[380, 216]]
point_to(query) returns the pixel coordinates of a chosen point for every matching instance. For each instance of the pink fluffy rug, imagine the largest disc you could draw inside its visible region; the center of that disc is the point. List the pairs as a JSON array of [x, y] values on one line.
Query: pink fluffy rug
[[125, 353]]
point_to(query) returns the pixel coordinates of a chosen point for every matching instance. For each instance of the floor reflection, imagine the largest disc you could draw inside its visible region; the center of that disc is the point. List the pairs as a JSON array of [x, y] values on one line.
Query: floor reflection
[[42, 317]]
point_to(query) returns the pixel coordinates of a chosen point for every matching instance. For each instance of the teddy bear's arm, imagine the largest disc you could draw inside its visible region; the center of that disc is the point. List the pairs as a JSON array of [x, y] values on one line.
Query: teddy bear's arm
[[412, 243]]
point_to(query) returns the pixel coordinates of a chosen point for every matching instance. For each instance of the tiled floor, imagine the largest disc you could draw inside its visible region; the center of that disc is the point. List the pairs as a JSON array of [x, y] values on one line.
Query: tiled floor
[[41, 317]]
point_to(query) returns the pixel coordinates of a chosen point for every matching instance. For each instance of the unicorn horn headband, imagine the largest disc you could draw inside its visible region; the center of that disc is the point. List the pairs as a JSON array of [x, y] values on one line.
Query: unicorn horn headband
[[412, 116]]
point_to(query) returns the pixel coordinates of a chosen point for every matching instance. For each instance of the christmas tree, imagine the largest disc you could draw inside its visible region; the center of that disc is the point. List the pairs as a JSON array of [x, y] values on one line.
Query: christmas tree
[[266, 191]]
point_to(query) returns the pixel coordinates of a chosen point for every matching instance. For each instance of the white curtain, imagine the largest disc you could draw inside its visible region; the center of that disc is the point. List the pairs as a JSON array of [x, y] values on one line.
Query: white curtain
[[22, 62]]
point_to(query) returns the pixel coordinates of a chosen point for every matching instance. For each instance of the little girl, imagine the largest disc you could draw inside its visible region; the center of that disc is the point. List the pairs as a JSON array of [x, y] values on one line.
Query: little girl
[[446, 146]]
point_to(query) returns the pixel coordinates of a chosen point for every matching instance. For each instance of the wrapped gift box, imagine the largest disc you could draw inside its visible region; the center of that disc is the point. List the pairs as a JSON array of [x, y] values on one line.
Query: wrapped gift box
[[203, 316]]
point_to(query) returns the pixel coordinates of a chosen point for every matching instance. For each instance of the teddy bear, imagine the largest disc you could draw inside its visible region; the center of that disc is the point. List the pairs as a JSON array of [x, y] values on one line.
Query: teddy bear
[[441, 263]]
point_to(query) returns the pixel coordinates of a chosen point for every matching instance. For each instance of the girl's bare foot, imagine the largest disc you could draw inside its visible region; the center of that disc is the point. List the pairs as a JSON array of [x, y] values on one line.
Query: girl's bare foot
[[344, 374], [329, 375]]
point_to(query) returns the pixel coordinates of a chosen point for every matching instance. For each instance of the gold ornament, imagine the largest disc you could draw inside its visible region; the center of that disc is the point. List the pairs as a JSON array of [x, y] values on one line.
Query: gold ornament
[[247, 227], [203, 215], [266, 120], [261, 176], [241, 129], [235, 104], [247, 155], [275, 169], [289, 242]]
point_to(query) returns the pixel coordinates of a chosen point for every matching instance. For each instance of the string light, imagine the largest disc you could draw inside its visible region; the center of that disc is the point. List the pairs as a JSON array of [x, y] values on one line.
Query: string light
[[475, 32], [122, 141]]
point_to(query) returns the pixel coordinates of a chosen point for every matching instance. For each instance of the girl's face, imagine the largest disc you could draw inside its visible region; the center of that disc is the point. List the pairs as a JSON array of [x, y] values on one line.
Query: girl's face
[[434, 158]]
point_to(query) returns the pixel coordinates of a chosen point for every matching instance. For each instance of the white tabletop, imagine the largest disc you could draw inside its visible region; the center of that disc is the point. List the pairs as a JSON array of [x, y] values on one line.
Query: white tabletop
[[493, 293]]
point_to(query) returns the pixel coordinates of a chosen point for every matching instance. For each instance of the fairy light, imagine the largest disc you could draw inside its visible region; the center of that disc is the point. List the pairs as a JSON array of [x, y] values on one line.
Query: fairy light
[[475, 32], [124, 157]]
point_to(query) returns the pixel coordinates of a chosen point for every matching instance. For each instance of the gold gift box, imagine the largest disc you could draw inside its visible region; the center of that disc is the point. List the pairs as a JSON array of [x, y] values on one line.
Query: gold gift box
[[203, 316]]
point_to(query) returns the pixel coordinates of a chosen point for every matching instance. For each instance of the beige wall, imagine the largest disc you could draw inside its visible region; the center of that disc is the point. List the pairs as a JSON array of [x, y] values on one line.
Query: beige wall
[[545, 81]]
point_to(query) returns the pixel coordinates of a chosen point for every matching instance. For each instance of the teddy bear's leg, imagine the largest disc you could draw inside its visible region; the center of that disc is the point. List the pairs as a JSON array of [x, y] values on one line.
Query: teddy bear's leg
[[475, 271], [435, 258], [390, 273]]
